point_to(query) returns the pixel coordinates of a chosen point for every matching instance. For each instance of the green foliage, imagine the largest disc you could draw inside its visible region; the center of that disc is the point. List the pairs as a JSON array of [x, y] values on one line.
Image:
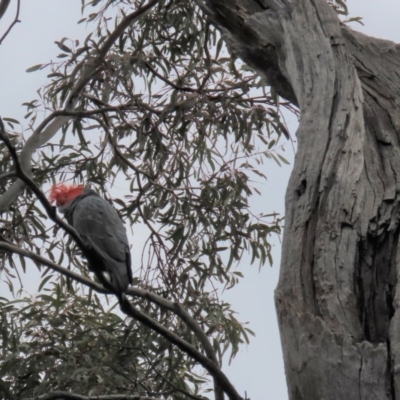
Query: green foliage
[[183, 125], [70, 342], [181, 130]]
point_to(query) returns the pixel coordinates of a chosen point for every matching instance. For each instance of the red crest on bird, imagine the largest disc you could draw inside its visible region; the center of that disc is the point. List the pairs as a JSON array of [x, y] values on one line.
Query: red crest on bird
[[64, 193]]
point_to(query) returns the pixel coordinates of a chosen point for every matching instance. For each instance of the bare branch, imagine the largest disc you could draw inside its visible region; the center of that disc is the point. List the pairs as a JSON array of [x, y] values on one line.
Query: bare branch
[[3, 8], [55, 267], [7, 175]]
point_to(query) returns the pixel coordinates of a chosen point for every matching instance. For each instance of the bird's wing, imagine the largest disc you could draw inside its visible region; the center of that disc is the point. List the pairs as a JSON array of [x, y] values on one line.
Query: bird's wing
[[100, 227]]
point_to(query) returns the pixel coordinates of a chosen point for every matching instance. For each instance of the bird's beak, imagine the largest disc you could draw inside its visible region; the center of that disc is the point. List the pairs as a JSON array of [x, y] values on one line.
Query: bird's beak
[[62, 209]]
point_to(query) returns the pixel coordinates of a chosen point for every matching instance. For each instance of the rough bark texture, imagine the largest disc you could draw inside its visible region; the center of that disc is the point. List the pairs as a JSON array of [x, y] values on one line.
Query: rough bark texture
[[338, 298]]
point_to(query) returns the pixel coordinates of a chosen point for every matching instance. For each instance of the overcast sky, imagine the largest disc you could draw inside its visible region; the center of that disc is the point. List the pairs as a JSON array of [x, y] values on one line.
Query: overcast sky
[[258, 369]]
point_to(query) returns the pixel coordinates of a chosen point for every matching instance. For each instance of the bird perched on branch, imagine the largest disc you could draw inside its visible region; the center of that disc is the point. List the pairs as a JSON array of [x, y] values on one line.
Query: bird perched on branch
[[101, 230]]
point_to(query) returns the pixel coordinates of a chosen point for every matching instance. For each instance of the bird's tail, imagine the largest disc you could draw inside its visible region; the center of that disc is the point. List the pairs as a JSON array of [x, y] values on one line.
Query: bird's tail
[[119, 279]]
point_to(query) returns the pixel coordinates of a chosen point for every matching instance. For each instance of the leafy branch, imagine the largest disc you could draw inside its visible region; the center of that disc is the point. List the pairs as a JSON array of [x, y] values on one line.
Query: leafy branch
[[89, 69], [209, 363]]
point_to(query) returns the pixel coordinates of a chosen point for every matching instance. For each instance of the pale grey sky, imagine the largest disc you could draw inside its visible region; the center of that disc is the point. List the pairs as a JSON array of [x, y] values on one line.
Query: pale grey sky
[[258, 369]]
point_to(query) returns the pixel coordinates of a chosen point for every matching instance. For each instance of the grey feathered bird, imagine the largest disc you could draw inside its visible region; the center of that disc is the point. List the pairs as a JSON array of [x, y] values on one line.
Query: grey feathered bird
[[100, 229]]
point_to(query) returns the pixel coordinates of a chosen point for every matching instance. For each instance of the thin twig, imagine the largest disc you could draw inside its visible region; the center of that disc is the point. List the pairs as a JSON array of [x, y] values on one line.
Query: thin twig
[[167, 81], [208, 59], [119, 30], [3, 8]]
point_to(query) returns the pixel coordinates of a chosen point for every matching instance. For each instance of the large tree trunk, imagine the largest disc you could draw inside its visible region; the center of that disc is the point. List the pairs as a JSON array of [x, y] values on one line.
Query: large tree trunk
[[337, 298]]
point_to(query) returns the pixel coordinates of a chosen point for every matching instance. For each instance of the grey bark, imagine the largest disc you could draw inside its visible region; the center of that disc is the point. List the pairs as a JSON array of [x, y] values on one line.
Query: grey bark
[[338, 297]]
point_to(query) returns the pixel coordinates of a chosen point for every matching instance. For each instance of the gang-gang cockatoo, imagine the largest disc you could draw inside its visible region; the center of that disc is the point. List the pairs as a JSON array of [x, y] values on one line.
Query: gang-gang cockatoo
[[100, 229]]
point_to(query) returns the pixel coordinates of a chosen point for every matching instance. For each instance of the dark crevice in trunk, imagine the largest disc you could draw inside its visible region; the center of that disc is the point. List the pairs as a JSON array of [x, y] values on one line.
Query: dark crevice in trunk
[[360, 377], [307, 272], [359, 288], [383, 143], [301, 188], [391, 391], [375, 280]]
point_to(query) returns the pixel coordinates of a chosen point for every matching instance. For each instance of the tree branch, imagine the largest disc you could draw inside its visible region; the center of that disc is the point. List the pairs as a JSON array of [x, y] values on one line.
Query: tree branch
[[211, 366], [183, 314], [128, 20], [167, 81], [6, 175], [50, 210], [208, 59], [38, 138], [3, 8], [55, 267], [187, 348]]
